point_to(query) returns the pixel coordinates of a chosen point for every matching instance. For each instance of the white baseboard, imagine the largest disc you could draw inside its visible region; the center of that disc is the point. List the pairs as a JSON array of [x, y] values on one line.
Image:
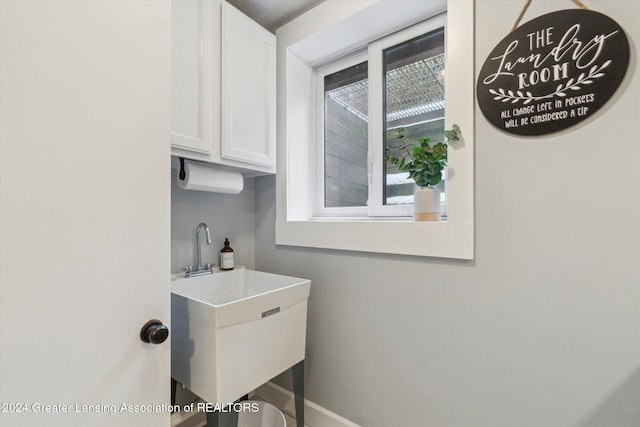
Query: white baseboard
[[314, 414]]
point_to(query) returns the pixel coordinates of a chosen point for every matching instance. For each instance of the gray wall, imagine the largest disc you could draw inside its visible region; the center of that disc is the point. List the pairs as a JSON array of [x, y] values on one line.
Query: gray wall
[[542, 329], [231, 216]]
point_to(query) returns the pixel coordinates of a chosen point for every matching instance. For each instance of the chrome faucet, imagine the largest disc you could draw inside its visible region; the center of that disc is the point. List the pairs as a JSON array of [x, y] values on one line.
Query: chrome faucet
[[201, 226], [199, 269]]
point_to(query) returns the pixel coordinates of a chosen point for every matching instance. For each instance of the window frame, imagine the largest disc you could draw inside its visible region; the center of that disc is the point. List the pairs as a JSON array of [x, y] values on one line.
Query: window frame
[[377, 208], [373, 53], [334, 28], [320, 210]]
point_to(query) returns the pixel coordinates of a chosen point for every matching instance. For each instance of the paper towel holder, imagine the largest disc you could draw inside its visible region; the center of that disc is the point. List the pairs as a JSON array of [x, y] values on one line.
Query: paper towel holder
[[182, 174], [203, 176]]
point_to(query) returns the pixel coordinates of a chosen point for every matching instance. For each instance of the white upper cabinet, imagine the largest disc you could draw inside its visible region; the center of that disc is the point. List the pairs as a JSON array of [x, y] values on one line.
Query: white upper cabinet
[[248, 90], [223, 86], [195, 75]]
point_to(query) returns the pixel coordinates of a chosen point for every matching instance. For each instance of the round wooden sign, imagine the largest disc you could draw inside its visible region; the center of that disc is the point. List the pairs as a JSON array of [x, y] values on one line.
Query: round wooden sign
[[553, 72]]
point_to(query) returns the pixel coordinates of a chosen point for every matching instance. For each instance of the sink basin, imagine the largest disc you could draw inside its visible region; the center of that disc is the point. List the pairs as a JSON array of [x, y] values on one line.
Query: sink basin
[[232, 331]]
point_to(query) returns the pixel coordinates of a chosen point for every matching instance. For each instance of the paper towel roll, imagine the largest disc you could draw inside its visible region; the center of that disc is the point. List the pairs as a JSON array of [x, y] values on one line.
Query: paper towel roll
[[204, 177]]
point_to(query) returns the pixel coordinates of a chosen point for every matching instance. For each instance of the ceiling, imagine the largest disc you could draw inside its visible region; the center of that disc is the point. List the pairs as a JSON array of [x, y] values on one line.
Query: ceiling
[[271, 14]]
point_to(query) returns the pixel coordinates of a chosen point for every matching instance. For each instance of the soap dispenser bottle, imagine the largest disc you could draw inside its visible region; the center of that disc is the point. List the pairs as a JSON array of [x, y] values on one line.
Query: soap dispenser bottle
[[226, 256]]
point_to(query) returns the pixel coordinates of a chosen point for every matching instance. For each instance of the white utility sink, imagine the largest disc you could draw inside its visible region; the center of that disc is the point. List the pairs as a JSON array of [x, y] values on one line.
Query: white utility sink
[[232, 331]]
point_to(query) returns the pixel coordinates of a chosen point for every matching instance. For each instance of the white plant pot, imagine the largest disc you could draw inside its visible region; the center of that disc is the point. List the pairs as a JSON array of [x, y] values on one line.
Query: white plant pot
[[426, 204]]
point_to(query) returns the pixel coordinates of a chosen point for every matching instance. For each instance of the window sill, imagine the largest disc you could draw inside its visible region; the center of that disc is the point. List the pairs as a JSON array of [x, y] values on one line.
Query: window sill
[[444, 239]]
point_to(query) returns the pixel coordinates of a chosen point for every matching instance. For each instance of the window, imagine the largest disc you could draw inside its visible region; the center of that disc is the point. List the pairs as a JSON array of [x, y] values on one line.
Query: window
[[346, 197], [343, 138], [414, 106], [356, 131]]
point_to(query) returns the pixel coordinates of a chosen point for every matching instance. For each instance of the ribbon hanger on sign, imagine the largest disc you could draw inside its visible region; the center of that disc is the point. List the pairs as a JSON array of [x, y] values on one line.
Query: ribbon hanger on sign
[[526, 6]]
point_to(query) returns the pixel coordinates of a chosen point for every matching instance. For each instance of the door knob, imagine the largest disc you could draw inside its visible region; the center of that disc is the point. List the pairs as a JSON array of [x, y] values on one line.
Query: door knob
[[154, 332]]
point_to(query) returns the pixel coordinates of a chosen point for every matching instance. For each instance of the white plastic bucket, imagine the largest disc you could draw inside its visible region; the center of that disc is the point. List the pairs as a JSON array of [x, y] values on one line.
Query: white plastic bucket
[[267, 415]]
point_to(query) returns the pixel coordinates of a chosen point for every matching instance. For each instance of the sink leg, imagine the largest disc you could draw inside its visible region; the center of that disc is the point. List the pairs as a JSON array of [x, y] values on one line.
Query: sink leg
[[174, 386], [297, 372], [222, 419]]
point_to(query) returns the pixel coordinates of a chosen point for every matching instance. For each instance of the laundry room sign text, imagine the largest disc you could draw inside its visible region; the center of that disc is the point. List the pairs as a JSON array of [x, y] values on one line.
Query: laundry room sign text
[[553, 72]]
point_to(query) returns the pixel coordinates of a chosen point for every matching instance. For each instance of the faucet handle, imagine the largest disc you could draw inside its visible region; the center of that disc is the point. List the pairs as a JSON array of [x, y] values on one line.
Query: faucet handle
[[208, 266], [188, 269]]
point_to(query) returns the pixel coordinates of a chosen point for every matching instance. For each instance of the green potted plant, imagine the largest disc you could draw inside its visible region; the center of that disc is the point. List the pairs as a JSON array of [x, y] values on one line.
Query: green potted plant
[[425, 162]]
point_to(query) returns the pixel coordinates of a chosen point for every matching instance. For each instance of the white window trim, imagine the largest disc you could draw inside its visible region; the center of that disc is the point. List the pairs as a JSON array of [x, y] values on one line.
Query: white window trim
[[329, 30]]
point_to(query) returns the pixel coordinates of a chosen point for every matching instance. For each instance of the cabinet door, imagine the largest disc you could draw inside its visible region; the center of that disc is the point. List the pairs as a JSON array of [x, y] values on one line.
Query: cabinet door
[[248, 90], [195, 80]]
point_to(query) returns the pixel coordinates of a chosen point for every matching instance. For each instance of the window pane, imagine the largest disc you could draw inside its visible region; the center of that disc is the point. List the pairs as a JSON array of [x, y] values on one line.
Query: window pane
[[414, 106], [346, 137]]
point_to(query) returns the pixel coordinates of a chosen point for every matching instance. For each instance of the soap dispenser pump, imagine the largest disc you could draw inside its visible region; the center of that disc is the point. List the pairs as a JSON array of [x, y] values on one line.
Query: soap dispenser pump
[[226, 256]]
